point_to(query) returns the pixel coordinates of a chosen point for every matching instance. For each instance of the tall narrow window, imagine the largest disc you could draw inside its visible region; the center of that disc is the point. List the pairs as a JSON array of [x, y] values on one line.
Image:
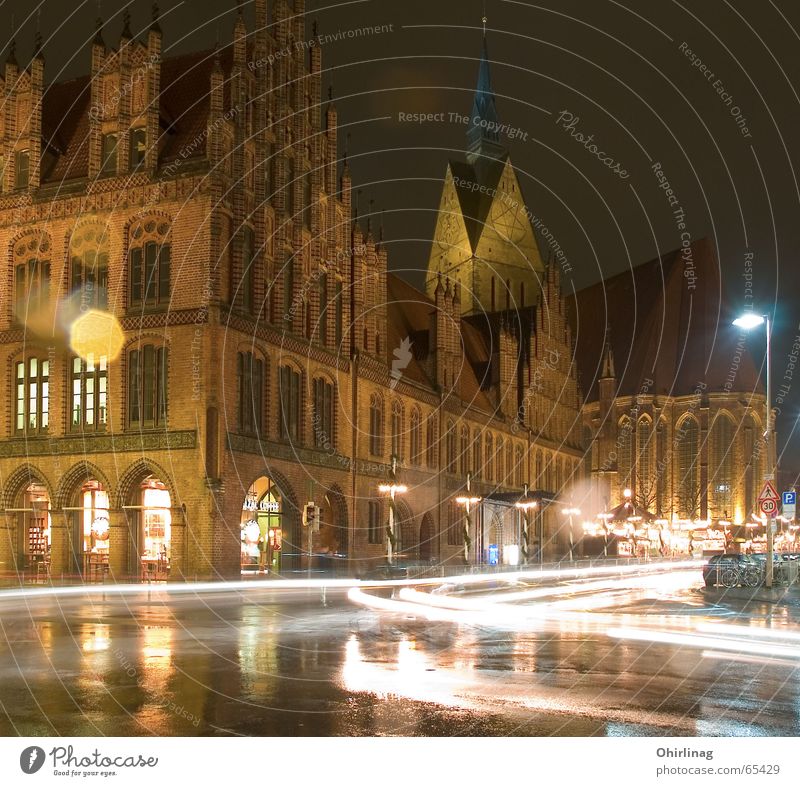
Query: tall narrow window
[[89, 394], [31, 275], [150, 263], [455, 523], [519, 466], [90, 279], [416, 437], [397, 430], [307, 193], [624, 451], [477, 454], [323, 414], [250, 374], [32, 406], [464, 452], [688, 480], [147, 386], [289, 400], [431, 438], [450, 447], [661, 467], [375, 522], [376, 425], [108, 165], [645, 488], [722, 466], [138, 147], [288, 292], [489, 457], [22, 165]]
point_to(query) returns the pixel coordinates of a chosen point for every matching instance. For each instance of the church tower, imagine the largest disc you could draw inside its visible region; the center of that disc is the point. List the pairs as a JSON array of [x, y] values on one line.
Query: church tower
[[483, 239]]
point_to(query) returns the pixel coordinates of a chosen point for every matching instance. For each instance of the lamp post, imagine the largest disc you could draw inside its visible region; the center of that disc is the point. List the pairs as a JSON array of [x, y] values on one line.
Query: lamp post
[[571, 512], [525, 505], [749, 321], [606, 517], [393, 488], [467, 501]]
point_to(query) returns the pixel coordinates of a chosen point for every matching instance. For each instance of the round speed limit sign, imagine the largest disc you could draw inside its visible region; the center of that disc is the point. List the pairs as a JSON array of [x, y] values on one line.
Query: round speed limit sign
[[768, 507]]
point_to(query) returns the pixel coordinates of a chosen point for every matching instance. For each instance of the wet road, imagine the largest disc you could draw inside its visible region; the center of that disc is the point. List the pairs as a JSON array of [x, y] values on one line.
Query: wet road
[[293, 663]]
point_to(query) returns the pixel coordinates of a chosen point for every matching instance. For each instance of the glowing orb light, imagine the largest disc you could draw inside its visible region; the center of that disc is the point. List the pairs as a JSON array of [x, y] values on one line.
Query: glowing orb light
[[96, 334]]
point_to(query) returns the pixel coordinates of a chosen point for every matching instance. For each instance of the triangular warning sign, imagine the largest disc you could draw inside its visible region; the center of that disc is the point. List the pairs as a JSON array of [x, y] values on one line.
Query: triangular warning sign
[[768, 492]]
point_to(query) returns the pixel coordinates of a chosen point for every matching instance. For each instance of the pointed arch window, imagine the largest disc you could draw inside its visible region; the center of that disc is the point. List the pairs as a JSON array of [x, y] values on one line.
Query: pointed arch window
[[251, 378], [149, 263], [722, 466], [397, 430], [688, 480], [376, 425], [416, 437], [324, 409], [477, 454]]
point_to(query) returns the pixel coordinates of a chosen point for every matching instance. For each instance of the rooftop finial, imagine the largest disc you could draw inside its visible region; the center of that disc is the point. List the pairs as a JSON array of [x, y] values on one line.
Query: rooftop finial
[[156, 15], [37, 41], [126, 24], [484, 20]]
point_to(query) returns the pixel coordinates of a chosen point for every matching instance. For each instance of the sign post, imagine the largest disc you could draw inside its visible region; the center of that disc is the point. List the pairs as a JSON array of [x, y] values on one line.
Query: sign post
[[768, 504]]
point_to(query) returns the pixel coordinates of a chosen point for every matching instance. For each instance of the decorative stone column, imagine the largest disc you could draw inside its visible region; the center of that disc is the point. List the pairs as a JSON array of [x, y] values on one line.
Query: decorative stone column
[[9, 540], [177, 561], [119, 540]]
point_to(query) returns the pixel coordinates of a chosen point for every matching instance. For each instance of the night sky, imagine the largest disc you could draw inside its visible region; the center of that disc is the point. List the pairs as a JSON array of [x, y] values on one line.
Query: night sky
[[708, 90]]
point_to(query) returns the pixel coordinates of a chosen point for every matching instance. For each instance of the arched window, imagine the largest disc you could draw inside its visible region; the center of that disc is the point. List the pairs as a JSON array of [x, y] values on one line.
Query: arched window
[[288, 292], [501, 469], [290, 392], [489, 457], [247, 286], [375, 521], [397, 429], [149, 262], [722, 466], [324, 414], [376, 425], [431, 441], [661, 467], [624, 451], [519, 466], [416, 436], [324, 309], [477, 454], [31, 260], [450, 447], [250, 375], [510, 473], [539, 469], [147, 386], [645, 488], [89, 266], [753, 448], [464, 451], [688, 480]]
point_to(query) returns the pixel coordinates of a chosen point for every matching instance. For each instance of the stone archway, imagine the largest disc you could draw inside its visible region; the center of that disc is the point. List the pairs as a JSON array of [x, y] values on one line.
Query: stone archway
[[405, 530], [27, 539], [426, 539], [334, 528]]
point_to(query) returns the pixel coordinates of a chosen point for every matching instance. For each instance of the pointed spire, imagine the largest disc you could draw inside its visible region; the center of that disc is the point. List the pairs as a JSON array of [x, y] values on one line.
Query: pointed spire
[[156, 13], [126, 34], [37, 41], [439, 288], [608, 361], [483, 139], [98, 32], [12, 52]]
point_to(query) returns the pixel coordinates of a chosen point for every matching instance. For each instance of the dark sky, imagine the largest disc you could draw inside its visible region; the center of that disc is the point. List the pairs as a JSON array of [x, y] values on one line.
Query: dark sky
[[622, 68]]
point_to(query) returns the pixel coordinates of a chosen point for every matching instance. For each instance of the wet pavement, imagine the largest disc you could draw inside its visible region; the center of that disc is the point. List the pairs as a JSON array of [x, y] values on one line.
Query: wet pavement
[[296, 662]]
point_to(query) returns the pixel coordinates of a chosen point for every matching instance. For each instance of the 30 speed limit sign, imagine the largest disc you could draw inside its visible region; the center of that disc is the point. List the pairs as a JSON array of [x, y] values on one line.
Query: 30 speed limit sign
[[768, 507]]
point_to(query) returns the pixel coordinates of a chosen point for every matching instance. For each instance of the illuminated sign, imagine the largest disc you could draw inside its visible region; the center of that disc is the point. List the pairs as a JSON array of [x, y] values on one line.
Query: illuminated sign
[[265, 506]]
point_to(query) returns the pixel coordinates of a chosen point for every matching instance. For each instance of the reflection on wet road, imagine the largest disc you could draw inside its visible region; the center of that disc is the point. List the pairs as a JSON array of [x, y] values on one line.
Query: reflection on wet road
[[611, 656]]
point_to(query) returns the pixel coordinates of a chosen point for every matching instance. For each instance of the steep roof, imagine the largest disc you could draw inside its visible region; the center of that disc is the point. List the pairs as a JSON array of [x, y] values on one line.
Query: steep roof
[[183, 110], [668, 323], [409, 316]]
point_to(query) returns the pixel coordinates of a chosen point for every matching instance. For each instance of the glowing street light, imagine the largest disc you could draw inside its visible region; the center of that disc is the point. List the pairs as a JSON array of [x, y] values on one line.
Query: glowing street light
[[392, 489], [526, 505], [748, 321], [468, 500]]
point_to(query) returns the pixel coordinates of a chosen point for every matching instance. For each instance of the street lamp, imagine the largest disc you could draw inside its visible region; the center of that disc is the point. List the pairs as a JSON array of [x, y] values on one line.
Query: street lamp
[[525, 505], [571, 512], [392, 489], [467, 501], [606, 517], [748, 321]]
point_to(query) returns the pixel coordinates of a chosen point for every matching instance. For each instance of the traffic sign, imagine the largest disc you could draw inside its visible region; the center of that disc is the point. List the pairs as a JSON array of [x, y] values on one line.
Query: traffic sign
[[768, 499], [768, 507], [789, 503]]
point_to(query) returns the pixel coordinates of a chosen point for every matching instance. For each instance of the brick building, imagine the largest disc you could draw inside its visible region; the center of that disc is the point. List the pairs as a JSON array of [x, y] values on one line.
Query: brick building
[[247, 351]]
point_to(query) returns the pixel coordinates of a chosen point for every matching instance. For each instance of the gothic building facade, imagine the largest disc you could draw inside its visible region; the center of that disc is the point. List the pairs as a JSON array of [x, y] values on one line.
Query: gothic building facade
[[206, 367]]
